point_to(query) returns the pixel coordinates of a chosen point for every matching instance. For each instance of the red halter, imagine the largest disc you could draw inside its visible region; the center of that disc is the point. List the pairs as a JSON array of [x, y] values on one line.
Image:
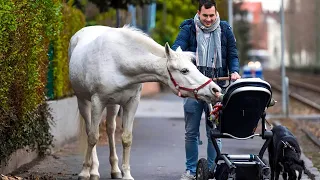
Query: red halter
[[195, 90]]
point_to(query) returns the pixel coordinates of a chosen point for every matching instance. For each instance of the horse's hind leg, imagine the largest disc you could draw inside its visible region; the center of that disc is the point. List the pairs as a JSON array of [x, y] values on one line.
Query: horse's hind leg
[[112, 111], [84, 109], [129, 111], [92, 120]]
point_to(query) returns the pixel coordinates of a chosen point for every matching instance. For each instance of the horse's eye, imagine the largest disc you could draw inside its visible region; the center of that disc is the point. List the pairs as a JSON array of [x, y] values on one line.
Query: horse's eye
[[184, 71]]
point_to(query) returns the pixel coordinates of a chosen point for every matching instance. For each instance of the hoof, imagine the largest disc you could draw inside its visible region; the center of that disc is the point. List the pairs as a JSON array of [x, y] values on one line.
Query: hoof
[[94, 177], [128, 178], [83, 178], [116, 175]]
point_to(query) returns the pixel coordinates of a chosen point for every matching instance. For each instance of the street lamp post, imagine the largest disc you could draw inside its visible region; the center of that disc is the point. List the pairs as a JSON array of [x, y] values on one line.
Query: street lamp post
[[230, 13], [283, 69]]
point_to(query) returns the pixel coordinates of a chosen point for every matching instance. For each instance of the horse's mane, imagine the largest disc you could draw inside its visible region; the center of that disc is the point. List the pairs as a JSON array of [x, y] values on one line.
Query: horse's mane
[[145, 40]]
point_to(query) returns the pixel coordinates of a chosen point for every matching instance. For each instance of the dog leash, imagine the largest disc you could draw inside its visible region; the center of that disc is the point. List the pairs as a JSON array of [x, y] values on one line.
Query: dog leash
[[286, 145]]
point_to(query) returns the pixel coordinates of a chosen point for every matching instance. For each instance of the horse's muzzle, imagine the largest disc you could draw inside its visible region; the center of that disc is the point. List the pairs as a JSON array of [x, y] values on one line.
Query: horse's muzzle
[[219, 96]]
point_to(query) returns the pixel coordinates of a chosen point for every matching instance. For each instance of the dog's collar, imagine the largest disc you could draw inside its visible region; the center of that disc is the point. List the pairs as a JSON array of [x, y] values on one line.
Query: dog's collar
[[288, 145]]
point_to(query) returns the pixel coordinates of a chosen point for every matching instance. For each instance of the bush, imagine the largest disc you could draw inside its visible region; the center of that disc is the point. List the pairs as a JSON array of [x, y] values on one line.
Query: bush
[[26, 28], [73, 20]]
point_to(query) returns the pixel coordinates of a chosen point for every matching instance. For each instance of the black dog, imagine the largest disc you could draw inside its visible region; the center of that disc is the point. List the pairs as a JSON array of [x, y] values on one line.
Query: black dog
[[284, 155]]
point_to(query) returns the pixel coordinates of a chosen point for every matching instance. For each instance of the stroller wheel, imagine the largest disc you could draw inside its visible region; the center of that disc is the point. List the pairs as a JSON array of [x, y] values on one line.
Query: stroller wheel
[[202, 170]]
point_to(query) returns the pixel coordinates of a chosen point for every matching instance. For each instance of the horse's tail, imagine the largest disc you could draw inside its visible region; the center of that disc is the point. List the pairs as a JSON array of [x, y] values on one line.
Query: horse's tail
[[83, 138], [72, 44]]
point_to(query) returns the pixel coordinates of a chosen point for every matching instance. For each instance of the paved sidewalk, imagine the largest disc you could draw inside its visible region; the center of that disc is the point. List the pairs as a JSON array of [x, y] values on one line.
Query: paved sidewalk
[[168, 105], [163, 105], [158, 145]]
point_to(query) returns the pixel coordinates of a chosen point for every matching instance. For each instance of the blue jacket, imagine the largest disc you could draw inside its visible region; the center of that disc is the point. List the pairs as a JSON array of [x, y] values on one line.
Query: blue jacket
[[186, 39]]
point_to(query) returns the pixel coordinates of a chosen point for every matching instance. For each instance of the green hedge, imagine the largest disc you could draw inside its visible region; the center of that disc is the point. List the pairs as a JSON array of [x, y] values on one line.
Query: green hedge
[[73, 20], [26, 29]]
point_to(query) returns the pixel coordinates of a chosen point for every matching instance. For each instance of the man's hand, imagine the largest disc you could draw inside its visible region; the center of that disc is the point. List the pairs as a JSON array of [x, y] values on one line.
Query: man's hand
[[235, 76]]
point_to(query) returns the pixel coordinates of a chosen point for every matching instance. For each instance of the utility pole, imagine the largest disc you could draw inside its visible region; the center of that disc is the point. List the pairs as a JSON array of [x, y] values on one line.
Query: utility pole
[[230, 13], [118, 17], [317, 14], [132, 10], [283, 69]]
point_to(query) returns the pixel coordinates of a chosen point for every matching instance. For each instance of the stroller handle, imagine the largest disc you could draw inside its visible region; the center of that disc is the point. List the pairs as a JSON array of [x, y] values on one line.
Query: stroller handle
[[228, 79], [222, 79]]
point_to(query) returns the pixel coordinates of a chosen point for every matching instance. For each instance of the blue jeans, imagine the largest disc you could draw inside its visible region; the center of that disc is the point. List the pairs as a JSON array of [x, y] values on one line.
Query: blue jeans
[[193, 110]]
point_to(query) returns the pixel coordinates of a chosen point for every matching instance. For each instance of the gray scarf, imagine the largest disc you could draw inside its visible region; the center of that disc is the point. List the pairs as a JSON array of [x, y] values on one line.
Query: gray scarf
[[210, 55]]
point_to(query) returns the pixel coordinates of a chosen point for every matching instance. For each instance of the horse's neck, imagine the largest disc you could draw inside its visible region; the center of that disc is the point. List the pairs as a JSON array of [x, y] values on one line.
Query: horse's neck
[[152, 47], [144, 41], [148, 68]]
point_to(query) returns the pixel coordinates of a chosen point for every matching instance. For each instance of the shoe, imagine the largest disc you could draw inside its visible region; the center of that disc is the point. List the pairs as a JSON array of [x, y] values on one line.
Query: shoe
[[187, 176]]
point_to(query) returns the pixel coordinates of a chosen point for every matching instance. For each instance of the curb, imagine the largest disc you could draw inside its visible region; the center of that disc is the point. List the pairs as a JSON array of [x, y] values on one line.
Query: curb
[[311, 171], [17, 159], [64, 129]]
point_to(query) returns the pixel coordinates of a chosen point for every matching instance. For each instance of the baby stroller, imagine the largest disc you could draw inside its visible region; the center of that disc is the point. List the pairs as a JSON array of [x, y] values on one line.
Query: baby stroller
[[237, 116]]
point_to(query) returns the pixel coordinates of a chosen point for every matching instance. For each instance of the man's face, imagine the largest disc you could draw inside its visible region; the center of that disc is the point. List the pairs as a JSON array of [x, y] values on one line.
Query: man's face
[[207, 16]]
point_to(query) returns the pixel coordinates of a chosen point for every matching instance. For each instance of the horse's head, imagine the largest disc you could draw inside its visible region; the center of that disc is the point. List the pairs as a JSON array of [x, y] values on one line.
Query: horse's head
[[186, 80]]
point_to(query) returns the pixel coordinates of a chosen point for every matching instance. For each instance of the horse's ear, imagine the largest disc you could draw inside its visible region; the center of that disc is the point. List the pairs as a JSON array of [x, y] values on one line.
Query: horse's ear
[[168, 50], [179, 49]]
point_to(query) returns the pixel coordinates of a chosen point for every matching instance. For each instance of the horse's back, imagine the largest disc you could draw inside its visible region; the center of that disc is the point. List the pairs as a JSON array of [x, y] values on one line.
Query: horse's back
[[95, 36], [94, 59], [99, 56], [87, 35], [82, 67]]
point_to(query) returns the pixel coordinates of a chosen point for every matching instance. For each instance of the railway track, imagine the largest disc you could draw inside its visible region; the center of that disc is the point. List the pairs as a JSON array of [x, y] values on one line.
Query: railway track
[[303, 89], [304, 92]]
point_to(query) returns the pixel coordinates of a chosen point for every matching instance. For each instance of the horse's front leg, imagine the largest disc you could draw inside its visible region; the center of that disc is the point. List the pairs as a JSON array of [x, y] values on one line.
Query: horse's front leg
[[129, 111], [112, 111]]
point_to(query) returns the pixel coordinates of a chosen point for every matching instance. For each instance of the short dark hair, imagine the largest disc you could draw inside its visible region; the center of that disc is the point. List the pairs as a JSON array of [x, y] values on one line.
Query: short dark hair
[[207, 4]]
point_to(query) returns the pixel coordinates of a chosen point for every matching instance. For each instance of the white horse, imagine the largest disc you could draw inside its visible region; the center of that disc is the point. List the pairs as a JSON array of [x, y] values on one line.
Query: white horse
[[106, 68]]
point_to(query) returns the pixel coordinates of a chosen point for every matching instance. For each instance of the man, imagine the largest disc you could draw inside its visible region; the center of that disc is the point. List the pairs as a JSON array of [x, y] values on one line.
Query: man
[[216, 53]]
